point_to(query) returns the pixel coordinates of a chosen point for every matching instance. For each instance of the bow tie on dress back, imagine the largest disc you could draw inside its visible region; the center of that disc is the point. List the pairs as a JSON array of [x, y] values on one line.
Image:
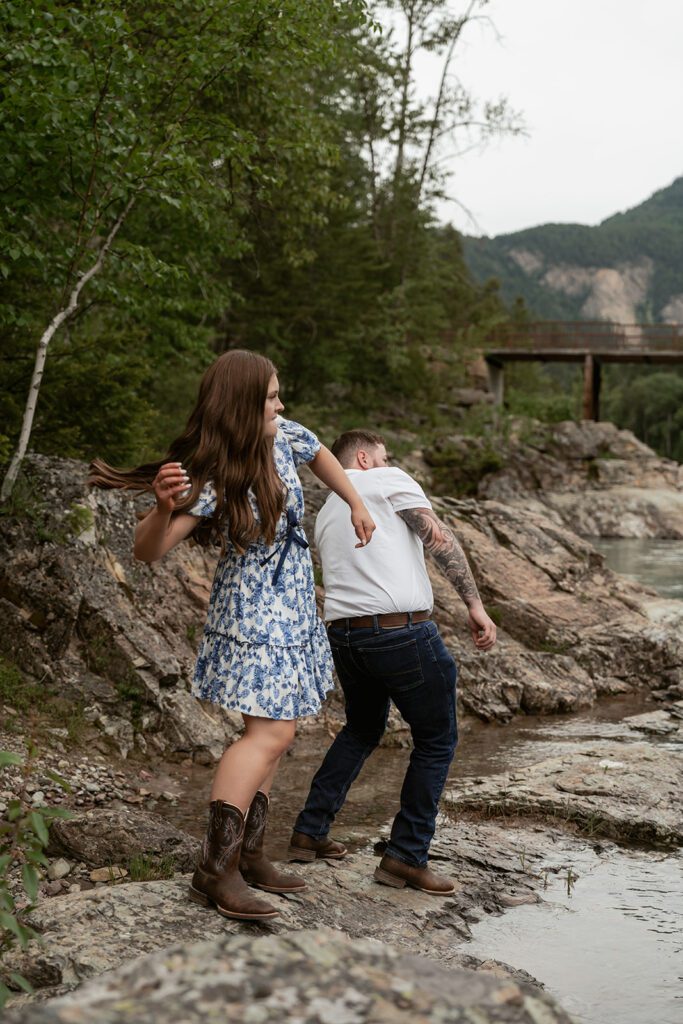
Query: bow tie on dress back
[[292, 537]]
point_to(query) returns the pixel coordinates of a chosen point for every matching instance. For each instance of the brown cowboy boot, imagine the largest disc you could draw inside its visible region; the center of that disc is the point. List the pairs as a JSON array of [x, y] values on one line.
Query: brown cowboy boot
[[217, 881], [398, 874], [305, 848], [255, 867]]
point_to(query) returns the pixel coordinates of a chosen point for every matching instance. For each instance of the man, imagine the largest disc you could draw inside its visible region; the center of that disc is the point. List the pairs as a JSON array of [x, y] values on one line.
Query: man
[[378, 603]]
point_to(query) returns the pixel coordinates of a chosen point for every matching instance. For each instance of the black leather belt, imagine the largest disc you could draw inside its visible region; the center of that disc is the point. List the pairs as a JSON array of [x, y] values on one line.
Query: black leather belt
[[391, 620]]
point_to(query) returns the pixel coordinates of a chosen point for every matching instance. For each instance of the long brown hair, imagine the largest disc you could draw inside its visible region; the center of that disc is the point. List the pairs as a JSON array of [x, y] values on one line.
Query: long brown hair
[[224, 442]]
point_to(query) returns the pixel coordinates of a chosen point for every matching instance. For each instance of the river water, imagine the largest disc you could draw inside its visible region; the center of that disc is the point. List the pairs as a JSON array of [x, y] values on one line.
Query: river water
[[655, 563], [611, 949]]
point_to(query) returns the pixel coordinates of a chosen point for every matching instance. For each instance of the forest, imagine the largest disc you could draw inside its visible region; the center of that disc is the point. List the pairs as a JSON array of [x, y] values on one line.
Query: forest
[[182, 178]]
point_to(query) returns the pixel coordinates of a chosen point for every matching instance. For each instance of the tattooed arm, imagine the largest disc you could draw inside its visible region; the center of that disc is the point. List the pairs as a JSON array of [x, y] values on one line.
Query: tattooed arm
[[442, 543]]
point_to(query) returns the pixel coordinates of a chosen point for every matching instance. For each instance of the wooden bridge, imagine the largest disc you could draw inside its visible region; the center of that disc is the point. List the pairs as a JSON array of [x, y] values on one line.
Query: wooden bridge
[[583, 341]]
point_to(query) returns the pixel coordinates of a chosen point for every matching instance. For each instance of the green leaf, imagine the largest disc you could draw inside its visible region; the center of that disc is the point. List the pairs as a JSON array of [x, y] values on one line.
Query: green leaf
[[14, 810], [29, 877], [57, 812], [6, 901], [7, 758], [5, 994], [21, 982], [10, 922], [37, 857], [39, 827], [58, 780]]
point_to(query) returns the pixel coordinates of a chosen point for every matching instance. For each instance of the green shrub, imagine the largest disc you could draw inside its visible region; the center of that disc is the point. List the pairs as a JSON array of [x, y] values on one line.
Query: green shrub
[[458, 469], [23, 838], [15, 689]]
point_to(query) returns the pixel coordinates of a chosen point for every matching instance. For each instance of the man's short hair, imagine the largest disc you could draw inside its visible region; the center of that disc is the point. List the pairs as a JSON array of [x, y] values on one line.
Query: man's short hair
[[351, 441]]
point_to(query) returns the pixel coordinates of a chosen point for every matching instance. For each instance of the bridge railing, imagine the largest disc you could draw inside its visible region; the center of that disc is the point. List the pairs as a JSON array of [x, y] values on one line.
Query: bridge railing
[[587, 335]]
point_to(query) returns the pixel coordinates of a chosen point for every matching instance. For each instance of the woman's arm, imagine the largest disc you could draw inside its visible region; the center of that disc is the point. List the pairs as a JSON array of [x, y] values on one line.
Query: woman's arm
[[329, 471], [160, 530]]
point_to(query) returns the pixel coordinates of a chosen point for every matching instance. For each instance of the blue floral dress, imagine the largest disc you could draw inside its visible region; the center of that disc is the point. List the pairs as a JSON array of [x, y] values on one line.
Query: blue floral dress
[[265, 650]]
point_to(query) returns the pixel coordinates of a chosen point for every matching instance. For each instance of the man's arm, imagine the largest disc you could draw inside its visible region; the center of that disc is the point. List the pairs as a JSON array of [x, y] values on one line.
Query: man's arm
[[442, 543]]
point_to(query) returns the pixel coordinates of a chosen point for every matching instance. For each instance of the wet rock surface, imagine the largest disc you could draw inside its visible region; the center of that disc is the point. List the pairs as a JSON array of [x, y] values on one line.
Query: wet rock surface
[[493, 868], [628, 792], [319, 975]]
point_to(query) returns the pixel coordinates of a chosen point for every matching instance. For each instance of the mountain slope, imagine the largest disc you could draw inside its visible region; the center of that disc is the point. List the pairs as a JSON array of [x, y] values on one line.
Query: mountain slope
[[628, 268]]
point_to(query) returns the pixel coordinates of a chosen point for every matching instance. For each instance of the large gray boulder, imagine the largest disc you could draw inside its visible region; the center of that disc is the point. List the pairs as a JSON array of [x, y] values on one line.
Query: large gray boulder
[[570, 630], [318, 976], [99, 628]]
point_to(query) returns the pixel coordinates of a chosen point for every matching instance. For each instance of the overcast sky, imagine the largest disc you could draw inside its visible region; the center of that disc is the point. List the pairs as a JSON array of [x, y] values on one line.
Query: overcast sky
[[600, 84]]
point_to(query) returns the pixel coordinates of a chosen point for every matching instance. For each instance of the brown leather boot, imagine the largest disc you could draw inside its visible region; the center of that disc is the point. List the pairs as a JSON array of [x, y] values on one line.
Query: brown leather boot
[[303, 847], [217, 881], [255, 867], [394, 872]]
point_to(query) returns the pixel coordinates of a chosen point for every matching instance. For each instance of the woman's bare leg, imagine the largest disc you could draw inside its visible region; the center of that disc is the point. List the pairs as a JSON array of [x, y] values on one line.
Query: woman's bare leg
[[267, 783], [250, 762]]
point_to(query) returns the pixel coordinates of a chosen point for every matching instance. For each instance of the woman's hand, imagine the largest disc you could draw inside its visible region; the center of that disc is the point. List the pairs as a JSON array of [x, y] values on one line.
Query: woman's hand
[[168, 484], [363, 524], [328, 469]]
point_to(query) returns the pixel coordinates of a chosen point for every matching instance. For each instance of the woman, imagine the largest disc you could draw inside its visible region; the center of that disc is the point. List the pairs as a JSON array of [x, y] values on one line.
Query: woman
[[231, 476]]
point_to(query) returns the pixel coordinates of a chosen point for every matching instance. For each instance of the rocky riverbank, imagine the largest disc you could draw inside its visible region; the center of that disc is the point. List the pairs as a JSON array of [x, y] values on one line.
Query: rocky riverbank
[[318, 976], [502, 838], [98, 654], [114, 640], [596, 479]]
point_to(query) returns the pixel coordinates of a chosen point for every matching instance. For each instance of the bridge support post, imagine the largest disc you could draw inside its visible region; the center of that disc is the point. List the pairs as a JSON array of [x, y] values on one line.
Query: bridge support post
[[496, 381], [591, 388]]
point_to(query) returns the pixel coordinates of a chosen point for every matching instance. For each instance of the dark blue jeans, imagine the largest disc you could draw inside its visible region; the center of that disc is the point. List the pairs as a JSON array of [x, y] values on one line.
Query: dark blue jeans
[[411, 666]]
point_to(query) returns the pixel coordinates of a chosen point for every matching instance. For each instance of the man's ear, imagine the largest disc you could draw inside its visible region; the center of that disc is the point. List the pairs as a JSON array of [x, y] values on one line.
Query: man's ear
[[363, 458]]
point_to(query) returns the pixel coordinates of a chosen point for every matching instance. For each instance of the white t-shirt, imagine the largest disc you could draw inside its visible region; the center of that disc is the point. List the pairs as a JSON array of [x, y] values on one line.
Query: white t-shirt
[[389, 575]]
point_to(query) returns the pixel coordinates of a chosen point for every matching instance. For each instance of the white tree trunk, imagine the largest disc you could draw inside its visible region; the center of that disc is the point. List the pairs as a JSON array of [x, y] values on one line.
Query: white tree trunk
[[41, 354]]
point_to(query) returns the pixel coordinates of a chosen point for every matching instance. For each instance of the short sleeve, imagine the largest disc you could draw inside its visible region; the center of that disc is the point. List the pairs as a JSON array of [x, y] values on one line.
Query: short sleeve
[[205, 505], [304, 444], [402, 491]]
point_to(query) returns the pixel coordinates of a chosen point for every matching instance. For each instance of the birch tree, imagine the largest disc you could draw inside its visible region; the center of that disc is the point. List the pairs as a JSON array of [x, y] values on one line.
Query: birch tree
[[416, 135]]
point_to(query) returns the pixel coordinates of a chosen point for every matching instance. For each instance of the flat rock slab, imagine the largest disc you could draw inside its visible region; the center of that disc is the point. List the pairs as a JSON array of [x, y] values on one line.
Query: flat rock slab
[[91, 932], [627, 792], [318, 976], [665, 722]]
